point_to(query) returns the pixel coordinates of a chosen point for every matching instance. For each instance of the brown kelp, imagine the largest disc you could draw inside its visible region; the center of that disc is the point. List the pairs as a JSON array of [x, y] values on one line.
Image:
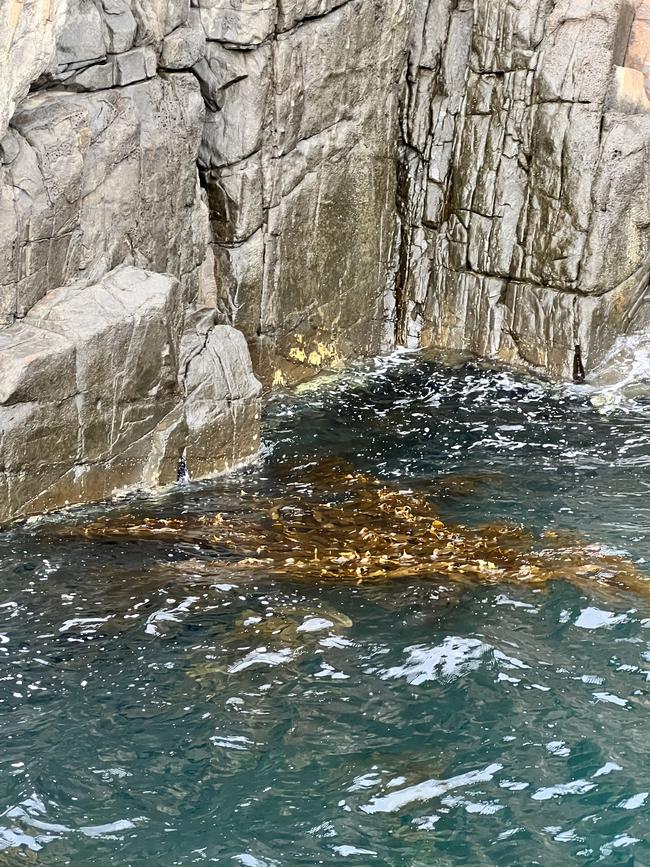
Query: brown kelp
[[344, 526]]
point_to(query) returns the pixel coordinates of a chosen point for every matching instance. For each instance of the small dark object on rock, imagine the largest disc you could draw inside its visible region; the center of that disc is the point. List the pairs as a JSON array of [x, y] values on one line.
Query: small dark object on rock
[[182, 476], [578, 367]]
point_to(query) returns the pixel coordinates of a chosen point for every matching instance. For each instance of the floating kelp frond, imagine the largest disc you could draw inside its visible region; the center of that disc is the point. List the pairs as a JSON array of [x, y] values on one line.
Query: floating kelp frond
[[342, 526]]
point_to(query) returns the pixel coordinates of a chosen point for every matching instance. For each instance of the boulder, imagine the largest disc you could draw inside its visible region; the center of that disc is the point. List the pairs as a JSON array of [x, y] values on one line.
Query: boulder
[[104, 387]]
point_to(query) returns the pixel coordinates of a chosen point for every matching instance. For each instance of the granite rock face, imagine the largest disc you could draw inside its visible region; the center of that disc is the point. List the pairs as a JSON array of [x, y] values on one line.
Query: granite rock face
[[103, 387], [299, 162], [330, 178], [524, 182], [28, 33], [517, 225], [104, 259], [91, 181]]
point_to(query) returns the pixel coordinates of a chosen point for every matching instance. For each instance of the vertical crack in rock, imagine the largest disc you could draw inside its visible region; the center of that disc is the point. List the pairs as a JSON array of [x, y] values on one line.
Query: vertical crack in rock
[[299, 160], [524, 200], [329, 177]]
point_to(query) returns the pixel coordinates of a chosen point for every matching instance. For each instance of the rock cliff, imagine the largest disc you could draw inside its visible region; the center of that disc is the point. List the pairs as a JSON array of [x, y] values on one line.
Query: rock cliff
[[112, 362], [299, 160], [104, 387], [524, 179], [327, 178]]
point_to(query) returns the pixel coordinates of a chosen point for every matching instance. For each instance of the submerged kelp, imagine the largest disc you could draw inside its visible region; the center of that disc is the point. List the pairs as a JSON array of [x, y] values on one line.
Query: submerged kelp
[[345, 526], [165, 703], [274, 637]]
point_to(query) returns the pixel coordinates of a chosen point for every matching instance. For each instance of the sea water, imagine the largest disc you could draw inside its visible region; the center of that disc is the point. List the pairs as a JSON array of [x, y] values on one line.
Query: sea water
[[144, 722]]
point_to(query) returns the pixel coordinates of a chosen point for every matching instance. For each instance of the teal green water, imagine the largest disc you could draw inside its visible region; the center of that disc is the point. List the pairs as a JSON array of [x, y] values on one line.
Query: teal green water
[[143, 723]]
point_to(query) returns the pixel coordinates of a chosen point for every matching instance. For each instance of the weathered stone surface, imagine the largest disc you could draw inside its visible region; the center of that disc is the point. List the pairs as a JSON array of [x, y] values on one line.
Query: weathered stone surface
[[120, 25], [184, 47], [221, 394], [298, 158], [93, 32], [82, 37], [136, 65], [293, 12], [104, 387], [525, 178], [28, 32], [100, 389], [97, 180], [238, 22], [236, 84]]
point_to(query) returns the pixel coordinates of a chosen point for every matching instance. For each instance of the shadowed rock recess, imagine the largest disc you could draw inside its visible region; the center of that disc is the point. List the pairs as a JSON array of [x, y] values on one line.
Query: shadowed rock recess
[[307, 181]]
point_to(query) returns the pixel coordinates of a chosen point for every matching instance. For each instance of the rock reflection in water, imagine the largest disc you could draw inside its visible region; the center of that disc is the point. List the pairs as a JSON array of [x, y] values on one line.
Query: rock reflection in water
[[344, 526]]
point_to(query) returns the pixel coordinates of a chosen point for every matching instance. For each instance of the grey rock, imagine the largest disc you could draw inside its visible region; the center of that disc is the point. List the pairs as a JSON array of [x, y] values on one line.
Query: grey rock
[[242, 23], [96, 183], [298, 158], [99, 76], [157, 18], [239, 287], [135, 65], [93, 28], [237, 83], [222, 396], [120, 25], [28, 33], [35, 366], [524, 165], [104, 387], [293, 12], [235, 197], [82, 38], [183, 48]]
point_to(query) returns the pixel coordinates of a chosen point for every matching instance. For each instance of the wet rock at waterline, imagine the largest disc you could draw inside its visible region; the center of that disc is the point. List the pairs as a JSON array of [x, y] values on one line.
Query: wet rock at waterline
[[334, 179], [103, 387]]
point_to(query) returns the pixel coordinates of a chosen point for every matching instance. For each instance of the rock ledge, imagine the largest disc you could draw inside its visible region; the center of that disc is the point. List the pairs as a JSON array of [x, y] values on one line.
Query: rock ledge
[[103, 388]]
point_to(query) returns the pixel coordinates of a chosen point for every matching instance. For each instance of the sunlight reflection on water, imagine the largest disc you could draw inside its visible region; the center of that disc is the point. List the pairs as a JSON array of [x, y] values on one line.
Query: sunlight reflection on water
[[156, 711]]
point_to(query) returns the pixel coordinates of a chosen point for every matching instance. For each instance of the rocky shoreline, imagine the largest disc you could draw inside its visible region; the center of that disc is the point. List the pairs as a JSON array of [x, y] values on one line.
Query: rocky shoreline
[[197, 196]]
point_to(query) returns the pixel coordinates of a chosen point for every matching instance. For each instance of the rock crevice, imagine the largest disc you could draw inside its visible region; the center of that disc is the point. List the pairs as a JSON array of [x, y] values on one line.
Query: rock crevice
[[328, 177], [524, 179]]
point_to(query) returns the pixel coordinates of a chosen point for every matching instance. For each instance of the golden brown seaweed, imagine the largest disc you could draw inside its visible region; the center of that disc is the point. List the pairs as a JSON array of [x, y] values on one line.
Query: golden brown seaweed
[[344, 526]]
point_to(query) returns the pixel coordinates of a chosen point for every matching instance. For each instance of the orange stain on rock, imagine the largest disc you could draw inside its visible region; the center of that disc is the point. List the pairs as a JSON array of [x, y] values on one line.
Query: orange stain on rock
[[638, 50], [15, 10]]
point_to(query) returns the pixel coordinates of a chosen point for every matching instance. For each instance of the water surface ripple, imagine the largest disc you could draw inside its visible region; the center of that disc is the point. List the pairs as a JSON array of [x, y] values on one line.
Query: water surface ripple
[[155, 714]]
